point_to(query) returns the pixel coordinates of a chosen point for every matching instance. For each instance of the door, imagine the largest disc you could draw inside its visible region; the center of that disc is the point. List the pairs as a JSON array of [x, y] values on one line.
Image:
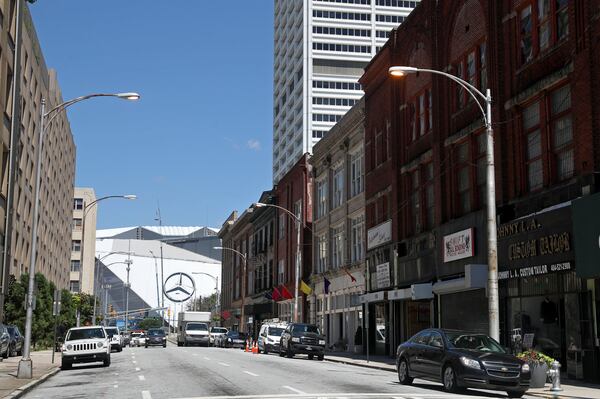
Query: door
[[433, 355], [417, 353]]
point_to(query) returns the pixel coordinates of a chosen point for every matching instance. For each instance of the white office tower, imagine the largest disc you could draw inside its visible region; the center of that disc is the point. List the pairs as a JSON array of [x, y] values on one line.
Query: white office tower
[[321, 48]]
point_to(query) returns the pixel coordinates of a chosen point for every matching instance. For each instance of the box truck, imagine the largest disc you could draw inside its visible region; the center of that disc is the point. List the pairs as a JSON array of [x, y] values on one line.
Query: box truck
[[193, 328]]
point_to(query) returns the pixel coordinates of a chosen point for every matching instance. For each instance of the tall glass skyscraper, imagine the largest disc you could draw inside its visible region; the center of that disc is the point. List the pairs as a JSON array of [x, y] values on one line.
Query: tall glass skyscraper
[[321, 48]]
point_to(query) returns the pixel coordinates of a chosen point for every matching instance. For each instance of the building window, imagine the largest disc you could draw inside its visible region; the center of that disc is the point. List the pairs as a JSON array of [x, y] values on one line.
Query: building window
[[281, 272], [75, 265], [416, 210], [76, 246], [78, 203], [562, 132], [358, 237], [429, 196], [74, 286], [543, 23], [338, 187], [298, 211], [421, 117], [463, 175], [77, 223], [321, 198], [472, 67], [337, 247], [357, 177], [533, 147], [322, 253], [282, 219]]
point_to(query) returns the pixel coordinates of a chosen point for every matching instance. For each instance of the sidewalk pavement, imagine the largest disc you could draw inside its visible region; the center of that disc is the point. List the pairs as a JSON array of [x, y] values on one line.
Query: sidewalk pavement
[[12, 387], [571, 389]]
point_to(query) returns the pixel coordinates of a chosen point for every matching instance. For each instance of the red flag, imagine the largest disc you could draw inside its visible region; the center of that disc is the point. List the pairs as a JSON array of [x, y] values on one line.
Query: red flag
[[285, 293], [276, 294], [350, 275], [226, 314]]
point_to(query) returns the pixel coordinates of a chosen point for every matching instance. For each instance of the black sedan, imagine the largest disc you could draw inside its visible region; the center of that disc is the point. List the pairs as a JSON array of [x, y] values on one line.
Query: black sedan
[[461, 359], [233, 339], [16, 340], [156, 337]]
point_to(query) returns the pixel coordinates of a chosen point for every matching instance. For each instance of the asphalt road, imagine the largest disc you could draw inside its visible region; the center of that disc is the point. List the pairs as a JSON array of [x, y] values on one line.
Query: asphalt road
[[194, 372]]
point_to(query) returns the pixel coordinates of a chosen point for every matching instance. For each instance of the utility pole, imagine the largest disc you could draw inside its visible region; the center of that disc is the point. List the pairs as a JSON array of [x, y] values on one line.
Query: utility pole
[[128, 262], [162, 274]]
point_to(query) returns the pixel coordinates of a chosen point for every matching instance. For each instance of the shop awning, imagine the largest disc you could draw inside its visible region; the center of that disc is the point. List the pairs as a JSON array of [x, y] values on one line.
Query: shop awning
[[415, 292], [475, 278], [372, 297]]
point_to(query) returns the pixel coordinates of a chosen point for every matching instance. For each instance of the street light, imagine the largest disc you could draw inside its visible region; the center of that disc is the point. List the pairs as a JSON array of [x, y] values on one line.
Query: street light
[[244, 259], [216, 279], [298, 252], [25, 369], [492, 253], [86, 209], [127, 262]]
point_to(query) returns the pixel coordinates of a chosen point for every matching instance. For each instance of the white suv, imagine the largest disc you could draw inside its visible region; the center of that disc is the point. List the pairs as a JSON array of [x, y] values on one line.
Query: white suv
[[216, 333], [85, 345], [116, 340], [269, 336]]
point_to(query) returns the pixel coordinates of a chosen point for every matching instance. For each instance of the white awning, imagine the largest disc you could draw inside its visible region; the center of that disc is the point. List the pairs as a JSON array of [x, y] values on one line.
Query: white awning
[[372, 297], [475, 278], [414, 292]]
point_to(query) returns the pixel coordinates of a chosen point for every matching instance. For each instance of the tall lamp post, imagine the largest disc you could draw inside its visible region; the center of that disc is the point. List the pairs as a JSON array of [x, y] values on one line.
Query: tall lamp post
[[216, 280], [299, 223], [244, 260], [86, 209], [25, 369], [492, 241]]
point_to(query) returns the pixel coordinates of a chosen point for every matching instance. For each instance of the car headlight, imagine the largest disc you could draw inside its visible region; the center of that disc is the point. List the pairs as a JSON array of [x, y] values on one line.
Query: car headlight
[[295, 339], [321, 342], [68, 347], [468, 362], [525, 368], [99, 344], [229, 340]]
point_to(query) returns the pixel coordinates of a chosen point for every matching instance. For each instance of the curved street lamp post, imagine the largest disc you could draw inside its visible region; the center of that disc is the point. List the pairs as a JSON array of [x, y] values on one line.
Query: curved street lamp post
[[492, 241], [25, 368], [244, 259], [216, 280]]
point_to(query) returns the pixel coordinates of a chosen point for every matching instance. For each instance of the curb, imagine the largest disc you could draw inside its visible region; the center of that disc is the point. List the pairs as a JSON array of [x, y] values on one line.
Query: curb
[[17, 393], [369, 366]]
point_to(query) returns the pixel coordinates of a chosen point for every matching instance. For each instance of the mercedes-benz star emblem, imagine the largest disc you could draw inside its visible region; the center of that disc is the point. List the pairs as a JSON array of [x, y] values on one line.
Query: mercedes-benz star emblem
[[179, 287]]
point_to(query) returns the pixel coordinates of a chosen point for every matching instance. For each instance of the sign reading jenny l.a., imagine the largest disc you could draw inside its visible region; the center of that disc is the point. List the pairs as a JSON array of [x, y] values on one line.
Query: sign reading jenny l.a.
[[179, 287]]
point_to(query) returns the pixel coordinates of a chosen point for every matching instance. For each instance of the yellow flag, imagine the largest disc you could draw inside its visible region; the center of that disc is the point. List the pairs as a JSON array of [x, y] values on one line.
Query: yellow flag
[[305, 288]]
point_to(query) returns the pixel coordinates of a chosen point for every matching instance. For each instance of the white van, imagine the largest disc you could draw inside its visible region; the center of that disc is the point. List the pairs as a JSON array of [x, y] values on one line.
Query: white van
[[269, 336]]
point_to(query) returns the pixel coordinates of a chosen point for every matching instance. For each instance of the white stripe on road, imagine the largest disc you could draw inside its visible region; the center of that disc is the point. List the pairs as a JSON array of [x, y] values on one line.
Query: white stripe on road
[[137, 369], [251, 373], [334, 396], [223, 364], [115, 386], [134, 362], [146, 395], [206, 358], [142, 378], [294, 389]]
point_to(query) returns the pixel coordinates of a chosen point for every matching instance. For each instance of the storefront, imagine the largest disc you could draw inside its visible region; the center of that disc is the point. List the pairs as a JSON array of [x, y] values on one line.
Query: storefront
[[412, 311], [545, 306]]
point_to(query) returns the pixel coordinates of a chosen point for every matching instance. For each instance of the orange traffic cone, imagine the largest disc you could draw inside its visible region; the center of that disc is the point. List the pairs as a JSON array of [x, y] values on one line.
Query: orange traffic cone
[[255, 348], [247, 349]]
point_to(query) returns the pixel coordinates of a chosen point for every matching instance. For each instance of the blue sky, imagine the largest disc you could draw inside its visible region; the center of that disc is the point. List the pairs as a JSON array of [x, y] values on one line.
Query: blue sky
[[200, 139]]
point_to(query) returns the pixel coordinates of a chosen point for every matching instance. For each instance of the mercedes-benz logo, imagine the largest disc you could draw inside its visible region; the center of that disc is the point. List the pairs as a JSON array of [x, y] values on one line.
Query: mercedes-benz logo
[[179, 287]]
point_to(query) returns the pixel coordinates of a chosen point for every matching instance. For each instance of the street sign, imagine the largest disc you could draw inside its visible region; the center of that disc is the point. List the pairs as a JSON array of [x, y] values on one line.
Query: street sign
[[179, 287]]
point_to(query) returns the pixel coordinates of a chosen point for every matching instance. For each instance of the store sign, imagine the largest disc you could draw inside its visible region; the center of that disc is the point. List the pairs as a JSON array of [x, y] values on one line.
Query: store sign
[[383, 275], [379, 234], [458, 245], [536, 245]]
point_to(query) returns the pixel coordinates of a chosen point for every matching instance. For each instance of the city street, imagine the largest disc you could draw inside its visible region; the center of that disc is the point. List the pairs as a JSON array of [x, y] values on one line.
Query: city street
[[197, 372]]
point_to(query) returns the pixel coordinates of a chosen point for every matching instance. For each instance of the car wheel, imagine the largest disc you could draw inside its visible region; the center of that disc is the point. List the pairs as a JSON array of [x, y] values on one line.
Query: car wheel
[[12, 352], [320, 357], [164, 345], [515, 394], [179, 343], [65, 365], [289, 352], [311, 357], [106, 361], [449, 379], [5, 354], [146, 346], [403, 375], [119, 348], [281, 352], [265, 350]]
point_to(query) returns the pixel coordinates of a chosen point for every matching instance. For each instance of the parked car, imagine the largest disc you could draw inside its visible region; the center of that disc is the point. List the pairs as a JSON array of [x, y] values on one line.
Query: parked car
[[302, 338], [194, 333], [126, 337], [461, 359], [269, 336], [86, 345], [137, 339], [216, 332], [4, 341], [156, 337], [116, 341], [233, 339], [16, 340]]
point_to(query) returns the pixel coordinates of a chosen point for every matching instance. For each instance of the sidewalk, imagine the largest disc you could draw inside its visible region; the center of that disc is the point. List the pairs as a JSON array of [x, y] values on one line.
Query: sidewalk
[[11, 387], [571, 389]]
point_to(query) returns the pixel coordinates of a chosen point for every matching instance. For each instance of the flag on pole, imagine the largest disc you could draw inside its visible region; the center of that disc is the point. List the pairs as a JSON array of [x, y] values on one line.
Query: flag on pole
[[226, 314], [326, 284], [305, 288], [350, 275], [285, 293], [276, 295]]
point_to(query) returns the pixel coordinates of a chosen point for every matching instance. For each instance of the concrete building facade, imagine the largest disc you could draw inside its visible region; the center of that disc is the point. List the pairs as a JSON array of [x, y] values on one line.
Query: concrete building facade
[[83, 242]]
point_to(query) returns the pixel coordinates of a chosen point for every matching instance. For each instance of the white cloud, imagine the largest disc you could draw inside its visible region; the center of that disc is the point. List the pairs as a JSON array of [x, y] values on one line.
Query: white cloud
[[254, 144]]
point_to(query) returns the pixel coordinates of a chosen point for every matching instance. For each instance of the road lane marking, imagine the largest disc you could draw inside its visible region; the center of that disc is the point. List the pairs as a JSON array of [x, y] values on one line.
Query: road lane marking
[[223, 364], [134, 362], [146, 395], [206, 358], [330, 395], [142, 378], [115, 386], [137, 369], [294, 389], [251, 373]]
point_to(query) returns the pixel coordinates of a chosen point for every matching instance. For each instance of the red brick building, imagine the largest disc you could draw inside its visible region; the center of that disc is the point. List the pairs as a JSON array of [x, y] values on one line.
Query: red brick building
[[425, 172]]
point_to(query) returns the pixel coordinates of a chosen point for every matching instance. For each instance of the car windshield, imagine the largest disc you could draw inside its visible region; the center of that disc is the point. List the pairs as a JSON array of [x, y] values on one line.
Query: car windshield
[[276, 331], [112, 331], [218, 330], [87, 333], [235, 334], [11, 330], [196, 327], [478, 342], [301, 328], [157, 332], [135, 335]]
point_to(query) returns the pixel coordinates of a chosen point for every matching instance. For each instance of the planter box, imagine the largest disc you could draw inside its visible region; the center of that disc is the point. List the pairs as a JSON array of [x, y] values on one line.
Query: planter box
[[538, 375]]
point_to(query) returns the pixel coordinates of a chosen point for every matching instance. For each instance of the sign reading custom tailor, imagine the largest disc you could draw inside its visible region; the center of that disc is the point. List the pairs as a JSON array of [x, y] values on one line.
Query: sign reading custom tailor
[[458, 245], [383, 275], [379, 234], [536, 245]]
